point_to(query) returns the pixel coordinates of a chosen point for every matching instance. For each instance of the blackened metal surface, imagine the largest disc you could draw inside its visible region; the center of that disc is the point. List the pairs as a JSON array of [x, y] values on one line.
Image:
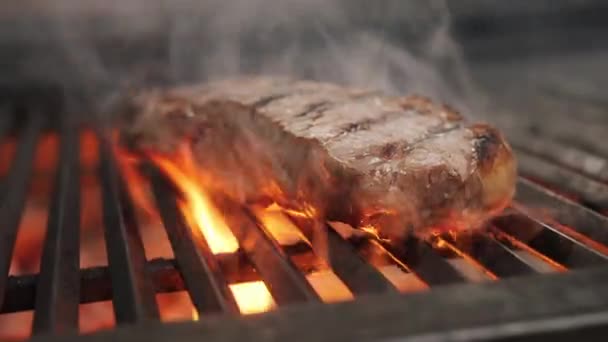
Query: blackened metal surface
[[420, 257], [6, 119], [591, 192], [469, 311], [133, 294], [358, 275], [58, 290], [493, 255], [95, 285], [565, 211], [200, 270], [567, 155], [286, 284], [550, 241], [95, 282], [16, 188]]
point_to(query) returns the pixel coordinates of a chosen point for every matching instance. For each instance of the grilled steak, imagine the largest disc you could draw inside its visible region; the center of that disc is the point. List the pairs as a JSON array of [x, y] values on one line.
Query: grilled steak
[[402, 164]]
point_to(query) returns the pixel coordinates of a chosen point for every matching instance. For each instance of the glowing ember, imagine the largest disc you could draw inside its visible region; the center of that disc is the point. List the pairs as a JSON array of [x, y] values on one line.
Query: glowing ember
[[279, 226], [373, 232], [252, 297], [307, 211], [325, 282], [198, 208], [329, 287], [174, 306]]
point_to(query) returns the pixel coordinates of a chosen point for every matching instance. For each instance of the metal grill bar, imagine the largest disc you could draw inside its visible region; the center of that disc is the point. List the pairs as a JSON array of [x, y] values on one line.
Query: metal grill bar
[[95, 283], [550, 242], [58, 290], [493, 255], [6, 120], [589, 164], [16, 187], [359, 276], [206, 284], [590, 191], [132, 282], [567, 212], [133, 295], [509, 310], [420, 257], [286, 284]]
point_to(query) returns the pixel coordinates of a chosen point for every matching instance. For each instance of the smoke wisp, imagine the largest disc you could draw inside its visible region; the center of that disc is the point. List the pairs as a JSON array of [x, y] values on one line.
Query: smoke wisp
[[396, 46]]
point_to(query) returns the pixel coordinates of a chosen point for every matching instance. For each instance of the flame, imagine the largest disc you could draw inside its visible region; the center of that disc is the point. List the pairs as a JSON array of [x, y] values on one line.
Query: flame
[[197, 207], [307, 211], [279, 225], [374, 233], [199, 210], [325, 282], [195, 316], [252, 297]]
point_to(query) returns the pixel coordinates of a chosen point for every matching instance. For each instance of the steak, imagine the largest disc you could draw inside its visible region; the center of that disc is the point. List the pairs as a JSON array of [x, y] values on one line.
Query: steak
[[400, 164]]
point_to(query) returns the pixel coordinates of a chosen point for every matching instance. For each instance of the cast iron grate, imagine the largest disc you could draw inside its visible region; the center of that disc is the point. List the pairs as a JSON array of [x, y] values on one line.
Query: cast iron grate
[[571, 237]]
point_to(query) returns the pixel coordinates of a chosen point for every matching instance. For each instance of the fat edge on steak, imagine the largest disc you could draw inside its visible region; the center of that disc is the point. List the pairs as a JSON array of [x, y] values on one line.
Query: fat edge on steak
[[401, 164]]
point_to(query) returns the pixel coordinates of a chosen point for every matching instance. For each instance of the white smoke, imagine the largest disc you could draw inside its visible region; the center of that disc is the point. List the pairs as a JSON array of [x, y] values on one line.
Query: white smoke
[[393, 45]]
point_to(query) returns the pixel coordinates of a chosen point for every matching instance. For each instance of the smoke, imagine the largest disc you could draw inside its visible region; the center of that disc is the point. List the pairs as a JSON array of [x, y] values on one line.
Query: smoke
[[392, 45]]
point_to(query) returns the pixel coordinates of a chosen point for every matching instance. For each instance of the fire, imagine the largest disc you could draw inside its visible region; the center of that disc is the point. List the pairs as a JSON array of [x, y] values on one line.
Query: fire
[[198, 208], [279, 226], [201, 213], [324, 281], [373, 233], [252, 297]]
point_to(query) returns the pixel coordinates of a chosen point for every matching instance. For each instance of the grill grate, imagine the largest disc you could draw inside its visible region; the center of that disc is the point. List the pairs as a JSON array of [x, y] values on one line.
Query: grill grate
[[58, 286], [571, 236]]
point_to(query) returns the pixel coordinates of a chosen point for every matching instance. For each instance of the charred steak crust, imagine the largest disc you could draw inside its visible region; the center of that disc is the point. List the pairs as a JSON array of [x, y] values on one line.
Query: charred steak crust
[[402, 164]]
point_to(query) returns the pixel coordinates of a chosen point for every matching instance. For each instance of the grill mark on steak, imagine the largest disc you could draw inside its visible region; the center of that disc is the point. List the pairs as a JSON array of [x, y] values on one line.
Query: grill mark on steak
[[433, 132], [413, 106], [369, 100], [367, 124], [425, 106], [263, 102], [319, 108], [362, 125], [315, 107], [398, 149], [417, 165]]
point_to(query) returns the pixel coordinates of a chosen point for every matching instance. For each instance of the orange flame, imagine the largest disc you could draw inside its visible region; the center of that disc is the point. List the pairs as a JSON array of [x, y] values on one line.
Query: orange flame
[[197, 207], [201, 213], [279, 226]]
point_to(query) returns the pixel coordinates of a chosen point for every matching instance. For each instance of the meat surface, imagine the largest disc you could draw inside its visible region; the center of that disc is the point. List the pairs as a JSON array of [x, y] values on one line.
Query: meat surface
[[401, 164]]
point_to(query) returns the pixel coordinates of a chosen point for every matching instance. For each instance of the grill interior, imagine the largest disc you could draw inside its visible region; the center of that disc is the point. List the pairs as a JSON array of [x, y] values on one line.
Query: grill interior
[[538, 272], [553, 228]]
